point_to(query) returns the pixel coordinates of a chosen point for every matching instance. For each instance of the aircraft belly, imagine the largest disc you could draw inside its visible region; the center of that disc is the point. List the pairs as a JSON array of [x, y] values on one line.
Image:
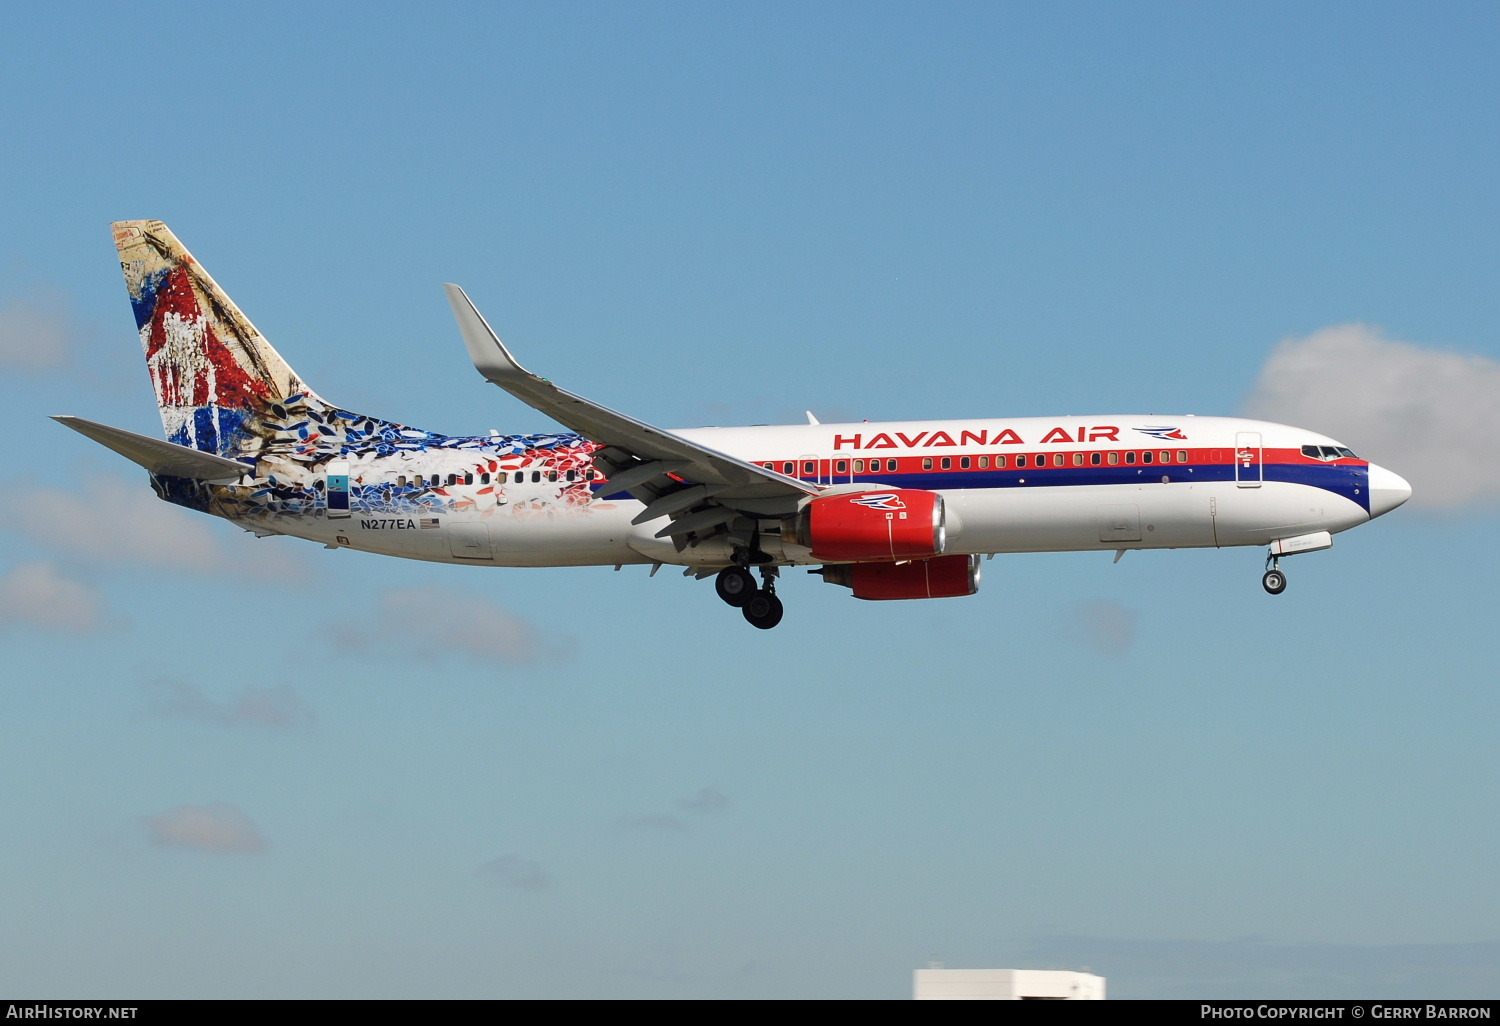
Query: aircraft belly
[[1276, 509], [1080, 517], [535, 535], [498, 536]]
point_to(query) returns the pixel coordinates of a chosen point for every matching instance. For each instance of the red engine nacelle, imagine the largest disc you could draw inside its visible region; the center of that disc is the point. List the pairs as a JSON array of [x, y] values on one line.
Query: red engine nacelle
[[941, 577], [899, 523]]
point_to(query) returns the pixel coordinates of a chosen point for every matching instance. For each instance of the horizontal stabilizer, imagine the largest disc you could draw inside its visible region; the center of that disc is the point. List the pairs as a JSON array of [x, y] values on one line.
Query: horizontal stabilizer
[[159, 456]]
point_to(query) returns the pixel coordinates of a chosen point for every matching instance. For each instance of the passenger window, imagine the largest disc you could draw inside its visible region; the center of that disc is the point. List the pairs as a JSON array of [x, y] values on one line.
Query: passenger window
[[1181, 455], [401, 481], [1020, 460], [1166, 456], [572, 475], [1113, 458], [536, 477], [926, 462], [468, 479], [947, 462], [809, 467], [859, 466], [963, 463], [769, 466], [875, 466], [1130, 458], [1000, 462], [841, 467], [484, 478], [789, 468], [1095, 459], [1057, 459], [1146, 457], [1078, 459], [984, 463], [552, 475]]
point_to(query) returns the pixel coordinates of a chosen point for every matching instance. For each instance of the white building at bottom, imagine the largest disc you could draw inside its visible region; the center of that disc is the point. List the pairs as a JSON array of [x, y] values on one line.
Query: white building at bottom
[[1006, 985]]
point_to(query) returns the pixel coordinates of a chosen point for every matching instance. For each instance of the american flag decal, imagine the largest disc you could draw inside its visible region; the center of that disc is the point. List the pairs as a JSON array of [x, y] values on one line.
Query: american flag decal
[[429, 522]]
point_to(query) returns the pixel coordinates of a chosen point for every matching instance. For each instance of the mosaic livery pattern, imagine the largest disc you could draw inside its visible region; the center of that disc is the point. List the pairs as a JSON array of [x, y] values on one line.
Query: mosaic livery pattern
[[223, 389]]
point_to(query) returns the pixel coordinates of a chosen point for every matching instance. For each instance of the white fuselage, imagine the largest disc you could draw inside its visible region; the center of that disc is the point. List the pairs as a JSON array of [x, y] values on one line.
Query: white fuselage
[[1022, 485]]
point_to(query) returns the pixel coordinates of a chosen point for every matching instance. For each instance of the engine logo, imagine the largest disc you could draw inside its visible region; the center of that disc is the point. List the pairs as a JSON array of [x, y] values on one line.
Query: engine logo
[[886, 500]]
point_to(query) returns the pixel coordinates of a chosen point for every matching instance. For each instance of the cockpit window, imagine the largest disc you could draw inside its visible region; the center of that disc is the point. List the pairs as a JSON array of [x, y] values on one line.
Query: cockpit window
[[1328, 452]]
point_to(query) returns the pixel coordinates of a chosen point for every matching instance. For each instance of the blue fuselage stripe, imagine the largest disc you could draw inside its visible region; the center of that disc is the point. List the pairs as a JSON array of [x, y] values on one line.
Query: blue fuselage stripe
[[1350, 482]]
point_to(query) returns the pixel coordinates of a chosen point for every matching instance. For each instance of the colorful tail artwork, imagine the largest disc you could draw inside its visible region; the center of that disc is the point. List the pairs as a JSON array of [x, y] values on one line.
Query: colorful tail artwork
[[216, 377]]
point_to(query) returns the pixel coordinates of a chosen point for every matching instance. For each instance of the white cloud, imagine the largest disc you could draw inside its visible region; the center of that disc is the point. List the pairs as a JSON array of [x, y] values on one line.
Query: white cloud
[[274, 707], [36, 331], [36, 595], [111, 520], [513, 871], [1107, 627], [431, 620], [218, 827], [1429, 415]]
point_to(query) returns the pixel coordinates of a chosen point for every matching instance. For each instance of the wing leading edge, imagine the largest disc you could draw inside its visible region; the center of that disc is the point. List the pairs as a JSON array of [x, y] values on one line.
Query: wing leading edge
[[699, 488]]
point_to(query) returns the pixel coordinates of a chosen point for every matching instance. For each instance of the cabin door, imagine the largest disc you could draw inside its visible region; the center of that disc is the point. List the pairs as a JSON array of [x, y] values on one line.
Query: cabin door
[[336, 488], [1248, 471]]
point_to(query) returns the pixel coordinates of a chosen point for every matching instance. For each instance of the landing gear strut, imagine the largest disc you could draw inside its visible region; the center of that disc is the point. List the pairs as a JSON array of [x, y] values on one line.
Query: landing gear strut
[[763, 609], [1274, 580], [736, 586]]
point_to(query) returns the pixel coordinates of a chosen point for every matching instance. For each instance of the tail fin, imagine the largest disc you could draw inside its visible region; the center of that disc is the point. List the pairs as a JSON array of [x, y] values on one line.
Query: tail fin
[[216, 377]]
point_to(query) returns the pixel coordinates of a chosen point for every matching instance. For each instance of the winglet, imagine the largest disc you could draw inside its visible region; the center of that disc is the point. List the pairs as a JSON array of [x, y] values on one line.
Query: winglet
[[642, 442], [489, 354]]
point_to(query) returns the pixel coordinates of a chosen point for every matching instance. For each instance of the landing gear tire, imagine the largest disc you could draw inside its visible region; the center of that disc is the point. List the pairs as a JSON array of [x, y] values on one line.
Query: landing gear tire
[[735, 585], [1274, 582], [763, 610]]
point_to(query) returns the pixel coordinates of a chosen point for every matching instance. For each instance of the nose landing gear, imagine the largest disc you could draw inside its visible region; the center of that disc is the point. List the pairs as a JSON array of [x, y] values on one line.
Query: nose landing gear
[[1274, 581]]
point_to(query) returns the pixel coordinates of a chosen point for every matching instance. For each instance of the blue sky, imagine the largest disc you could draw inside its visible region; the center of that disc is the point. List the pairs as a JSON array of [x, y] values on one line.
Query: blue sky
[[242, 768]]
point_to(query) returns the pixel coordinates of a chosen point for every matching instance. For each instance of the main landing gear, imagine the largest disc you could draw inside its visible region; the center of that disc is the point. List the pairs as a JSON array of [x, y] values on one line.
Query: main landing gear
[[1274, 580], [760, 606]]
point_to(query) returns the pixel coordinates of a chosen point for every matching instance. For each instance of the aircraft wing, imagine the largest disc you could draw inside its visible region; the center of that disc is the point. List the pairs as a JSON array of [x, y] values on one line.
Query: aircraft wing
[[699, 487]]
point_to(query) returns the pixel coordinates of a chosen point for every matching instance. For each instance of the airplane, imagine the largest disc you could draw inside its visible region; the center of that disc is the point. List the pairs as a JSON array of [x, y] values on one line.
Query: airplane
[[891, 511]]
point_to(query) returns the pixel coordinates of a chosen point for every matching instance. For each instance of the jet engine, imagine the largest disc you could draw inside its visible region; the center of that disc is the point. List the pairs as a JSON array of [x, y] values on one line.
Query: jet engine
[[900, 523], [940, 577]]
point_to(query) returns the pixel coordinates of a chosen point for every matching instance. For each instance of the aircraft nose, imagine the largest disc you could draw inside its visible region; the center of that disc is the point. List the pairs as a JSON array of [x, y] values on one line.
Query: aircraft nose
[[1387, 490]]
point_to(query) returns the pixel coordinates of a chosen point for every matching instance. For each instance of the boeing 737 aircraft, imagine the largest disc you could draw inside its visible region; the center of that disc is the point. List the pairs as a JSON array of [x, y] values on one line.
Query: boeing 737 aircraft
[[889, 510]]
